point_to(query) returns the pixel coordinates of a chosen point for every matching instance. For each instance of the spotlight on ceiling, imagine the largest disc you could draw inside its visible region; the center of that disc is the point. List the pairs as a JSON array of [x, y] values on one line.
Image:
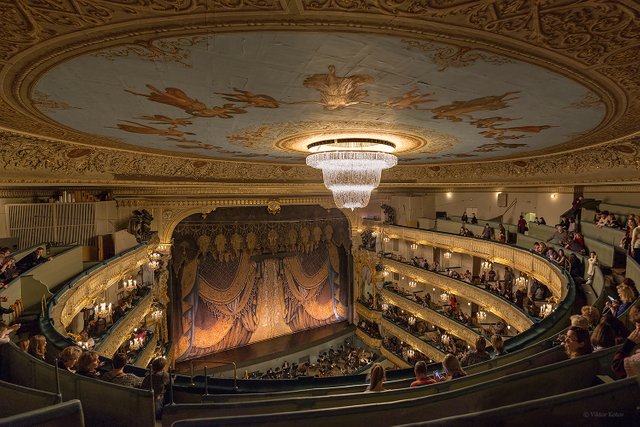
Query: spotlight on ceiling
[[351, 167]]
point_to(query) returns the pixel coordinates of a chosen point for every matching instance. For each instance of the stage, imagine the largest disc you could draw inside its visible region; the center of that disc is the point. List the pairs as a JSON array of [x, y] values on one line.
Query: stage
[[265, 351]]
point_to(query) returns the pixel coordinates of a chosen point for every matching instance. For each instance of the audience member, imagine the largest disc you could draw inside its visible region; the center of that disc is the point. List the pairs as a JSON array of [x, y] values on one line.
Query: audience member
[[157, 380], [603, 336], [522, 225], [591, 314], [34, 258], [5, 331], [376, 378], [38, 346], [498, 346], [117, 375], [452, 368], [474, 220], [624, 362], [579, 321], [88, 364], [422, 377], [478, 355], [577, 342], [68, 358]]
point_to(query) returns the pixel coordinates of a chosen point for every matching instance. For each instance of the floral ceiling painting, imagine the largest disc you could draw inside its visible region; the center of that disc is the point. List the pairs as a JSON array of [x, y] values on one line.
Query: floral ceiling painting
[[231, 96]]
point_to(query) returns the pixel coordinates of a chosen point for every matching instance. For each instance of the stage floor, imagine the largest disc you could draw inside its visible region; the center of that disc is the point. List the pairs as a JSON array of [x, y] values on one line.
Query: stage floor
[[265, 350]]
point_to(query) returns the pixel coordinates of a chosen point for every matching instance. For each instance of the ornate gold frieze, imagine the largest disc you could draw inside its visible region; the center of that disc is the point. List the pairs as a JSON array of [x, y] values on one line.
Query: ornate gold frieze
[[487, 300], [593, 42], [394, 359], [518, 259], [431, 316], [86, 290], [367, 340], [424, 348], [370, 315], [149, 351]]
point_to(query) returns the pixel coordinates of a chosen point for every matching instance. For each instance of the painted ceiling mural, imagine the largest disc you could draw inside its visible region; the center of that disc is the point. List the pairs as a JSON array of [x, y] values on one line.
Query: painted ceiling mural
[[261, 95]]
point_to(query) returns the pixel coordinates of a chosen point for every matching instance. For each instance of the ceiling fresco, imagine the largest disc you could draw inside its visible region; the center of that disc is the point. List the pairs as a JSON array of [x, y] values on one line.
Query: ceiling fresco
[[262, 96]]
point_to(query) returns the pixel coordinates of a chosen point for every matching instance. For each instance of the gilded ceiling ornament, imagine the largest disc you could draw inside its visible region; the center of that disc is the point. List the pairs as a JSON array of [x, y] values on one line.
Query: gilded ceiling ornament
[[159, 50], [338, 92], [590, 100], [45, 103], [455, 56], [273, 207], [459, 110]]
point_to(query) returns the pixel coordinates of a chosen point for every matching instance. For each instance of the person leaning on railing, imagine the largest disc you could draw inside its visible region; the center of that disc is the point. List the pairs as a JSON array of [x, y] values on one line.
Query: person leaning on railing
[[626, 364], [478, 355], [577, 342], [452, 368]]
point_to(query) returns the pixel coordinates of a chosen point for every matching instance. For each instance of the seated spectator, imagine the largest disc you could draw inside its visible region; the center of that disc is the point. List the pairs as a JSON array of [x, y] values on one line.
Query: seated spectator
[[577, 342], [611, 221], [422, 378], [541, 221], [117, 375], [452, 367], [376, 378], [572, 225], [88, 364], [602, 219], [8, 271], [160, 379], [603, 336], [498, 346], [474, 220], [564, 223], [502, 234], [538, 291], [560, 236], [491, 275], [5, 331], [579, 321], [561, 259], [119, 311], [626, 299], [68, 358], [465, 217], [624, 362], [34, 258], [591, 314], [478, 355], [38, 346], [631, 284]]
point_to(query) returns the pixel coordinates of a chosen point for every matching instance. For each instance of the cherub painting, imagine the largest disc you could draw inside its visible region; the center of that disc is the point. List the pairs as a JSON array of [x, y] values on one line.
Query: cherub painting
[[338, 92]]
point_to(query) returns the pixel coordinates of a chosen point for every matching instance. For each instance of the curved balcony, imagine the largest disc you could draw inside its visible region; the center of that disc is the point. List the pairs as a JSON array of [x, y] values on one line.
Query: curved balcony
[[422, 346], [505, 309], [435, 318], [398, 361], [121, 330], [516, 258], [368, 340], [82, 291], [367, 313]]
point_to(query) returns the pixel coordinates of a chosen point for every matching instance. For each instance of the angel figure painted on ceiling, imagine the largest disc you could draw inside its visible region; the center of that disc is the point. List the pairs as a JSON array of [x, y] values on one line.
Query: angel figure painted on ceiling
[[338, 92]]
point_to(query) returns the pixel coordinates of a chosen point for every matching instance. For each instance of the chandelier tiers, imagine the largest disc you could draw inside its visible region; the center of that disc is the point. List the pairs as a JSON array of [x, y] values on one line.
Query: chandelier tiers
[[351, 167]]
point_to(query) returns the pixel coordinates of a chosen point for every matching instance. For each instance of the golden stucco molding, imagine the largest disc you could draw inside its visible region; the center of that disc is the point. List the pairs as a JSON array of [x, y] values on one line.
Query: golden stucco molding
[[516, 258], [122, 330], [486, 300], [432, 317], [367, 340], [424, 348], [394, 359]]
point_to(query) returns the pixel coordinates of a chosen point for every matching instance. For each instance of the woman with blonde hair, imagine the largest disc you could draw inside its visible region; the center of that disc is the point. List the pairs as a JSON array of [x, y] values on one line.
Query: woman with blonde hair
[[38, 346], [88, 364], [377, 377], [452, 367], [591, 314], [626, 297], [68, 358]]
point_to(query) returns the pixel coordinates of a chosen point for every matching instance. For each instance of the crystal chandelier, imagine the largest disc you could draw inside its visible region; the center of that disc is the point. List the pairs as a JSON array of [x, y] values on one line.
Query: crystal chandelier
[[351, 168]]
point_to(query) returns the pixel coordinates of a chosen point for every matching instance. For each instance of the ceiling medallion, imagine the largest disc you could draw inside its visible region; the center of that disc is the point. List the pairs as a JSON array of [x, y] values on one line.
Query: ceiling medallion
[[351, 167]]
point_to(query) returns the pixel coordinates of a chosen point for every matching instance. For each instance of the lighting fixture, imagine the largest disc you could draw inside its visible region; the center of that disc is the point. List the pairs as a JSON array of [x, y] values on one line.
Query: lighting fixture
[[351, 167], [414, 246], [412, 283], [102, 310], [481, 315]]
